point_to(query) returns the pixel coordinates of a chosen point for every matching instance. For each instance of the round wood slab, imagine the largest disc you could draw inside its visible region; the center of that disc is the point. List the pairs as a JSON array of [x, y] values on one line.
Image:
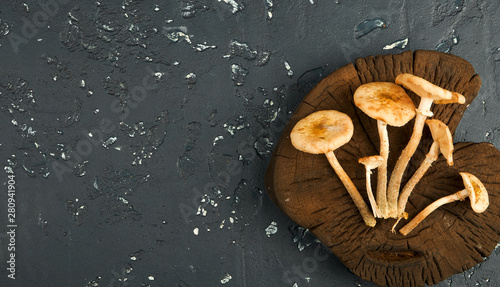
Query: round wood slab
[[451, 240]]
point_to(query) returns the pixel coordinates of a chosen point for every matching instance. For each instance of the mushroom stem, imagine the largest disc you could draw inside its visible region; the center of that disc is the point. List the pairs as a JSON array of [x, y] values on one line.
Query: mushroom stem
[[373, 203], [461, 195], [352, 190], [382, 170], [430, 157], [423, 112]]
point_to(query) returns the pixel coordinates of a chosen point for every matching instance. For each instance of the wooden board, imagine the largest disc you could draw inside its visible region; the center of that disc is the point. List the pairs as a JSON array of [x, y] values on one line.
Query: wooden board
[[451, 240]]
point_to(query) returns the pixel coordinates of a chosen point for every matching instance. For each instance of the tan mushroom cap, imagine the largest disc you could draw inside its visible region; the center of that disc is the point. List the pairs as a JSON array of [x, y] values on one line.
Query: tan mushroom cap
[[371, 162], [442, 135], [322, 132], [426, 89], [478, 194], [386, 102]]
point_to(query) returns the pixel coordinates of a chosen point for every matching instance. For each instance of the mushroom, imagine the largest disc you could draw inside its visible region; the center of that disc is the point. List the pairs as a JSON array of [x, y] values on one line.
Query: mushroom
[[443, 142], [371, 162], [474, 189], [324, 132], [429, 93], [389, 104]]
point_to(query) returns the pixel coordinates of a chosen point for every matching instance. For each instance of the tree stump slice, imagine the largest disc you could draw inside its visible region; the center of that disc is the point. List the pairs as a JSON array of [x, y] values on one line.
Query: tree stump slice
[[451, 240]]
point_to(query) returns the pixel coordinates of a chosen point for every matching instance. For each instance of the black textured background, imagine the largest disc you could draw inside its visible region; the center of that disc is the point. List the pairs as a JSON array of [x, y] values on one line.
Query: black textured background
[[184, 101]]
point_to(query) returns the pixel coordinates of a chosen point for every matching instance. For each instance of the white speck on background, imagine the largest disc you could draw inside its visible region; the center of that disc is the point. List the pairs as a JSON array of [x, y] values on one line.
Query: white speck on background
[[9, 170], [109, 142], [151, 278], [196, 231], [311, 1], [288, 68], [226, 278], [123, 200], [175, 34], [269, 4], [400, 44], [272, 229], [216, 139], [236, 7], [201, 211], [191, 76], [204, 46], [82, 84]]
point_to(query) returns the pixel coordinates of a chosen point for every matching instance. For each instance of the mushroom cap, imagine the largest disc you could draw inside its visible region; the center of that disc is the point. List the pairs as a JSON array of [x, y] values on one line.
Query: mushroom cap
[[442, 135], [479, 200], [426, 89], [322, 132], [371, 162], [386, 102]]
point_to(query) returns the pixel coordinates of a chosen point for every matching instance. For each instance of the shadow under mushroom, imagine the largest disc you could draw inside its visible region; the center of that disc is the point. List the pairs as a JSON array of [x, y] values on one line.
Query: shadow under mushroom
[[305, 187]]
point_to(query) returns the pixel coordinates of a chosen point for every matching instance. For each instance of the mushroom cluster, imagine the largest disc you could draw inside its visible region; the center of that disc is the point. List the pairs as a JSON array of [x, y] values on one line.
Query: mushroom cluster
[[388, 103]]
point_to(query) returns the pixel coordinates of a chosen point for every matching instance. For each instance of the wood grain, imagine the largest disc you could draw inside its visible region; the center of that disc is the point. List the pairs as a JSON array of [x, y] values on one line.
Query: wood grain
[[306, 188]]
